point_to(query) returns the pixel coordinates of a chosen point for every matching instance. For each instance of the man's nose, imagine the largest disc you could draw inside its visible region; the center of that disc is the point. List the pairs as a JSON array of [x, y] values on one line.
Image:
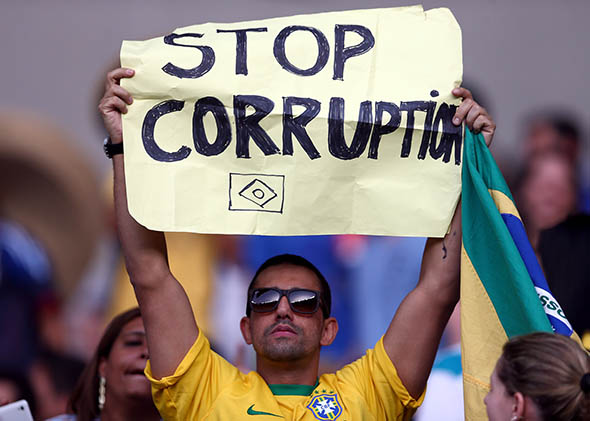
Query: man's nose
[[284, 309]]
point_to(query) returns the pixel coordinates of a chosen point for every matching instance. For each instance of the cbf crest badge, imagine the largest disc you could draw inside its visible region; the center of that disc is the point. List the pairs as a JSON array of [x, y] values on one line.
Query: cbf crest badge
[[325, 407]]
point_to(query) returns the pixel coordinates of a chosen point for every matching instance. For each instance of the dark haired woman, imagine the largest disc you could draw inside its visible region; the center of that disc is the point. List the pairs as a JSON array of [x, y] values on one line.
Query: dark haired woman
[[113, 386], [540, 377]]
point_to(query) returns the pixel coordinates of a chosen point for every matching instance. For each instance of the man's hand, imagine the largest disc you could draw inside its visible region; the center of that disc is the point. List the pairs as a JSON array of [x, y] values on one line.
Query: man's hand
[[475, 116], [114, 103]]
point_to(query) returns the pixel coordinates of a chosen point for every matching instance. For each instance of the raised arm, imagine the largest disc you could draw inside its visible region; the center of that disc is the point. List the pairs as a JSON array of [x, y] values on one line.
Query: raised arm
[[413, 336], [169, 321]]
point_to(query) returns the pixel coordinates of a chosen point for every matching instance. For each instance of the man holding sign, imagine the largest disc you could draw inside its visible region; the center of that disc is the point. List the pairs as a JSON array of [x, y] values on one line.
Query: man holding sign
[[287, 321]]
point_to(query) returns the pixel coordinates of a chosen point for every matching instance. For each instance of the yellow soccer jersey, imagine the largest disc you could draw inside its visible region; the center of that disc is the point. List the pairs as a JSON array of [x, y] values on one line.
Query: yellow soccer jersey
[[205, 387]]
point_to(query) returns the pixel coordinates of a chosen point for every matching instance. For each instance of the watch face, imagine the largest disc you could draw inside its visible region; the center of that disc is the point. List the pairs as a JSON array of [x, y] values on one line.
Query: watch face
[[111, 149], [105, 147]]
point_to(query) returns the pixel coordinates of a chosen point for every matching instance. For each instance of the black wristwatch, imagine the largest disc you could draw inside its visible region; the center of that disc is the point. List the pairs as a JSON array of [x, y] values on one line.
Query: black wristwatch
[[111, 149]]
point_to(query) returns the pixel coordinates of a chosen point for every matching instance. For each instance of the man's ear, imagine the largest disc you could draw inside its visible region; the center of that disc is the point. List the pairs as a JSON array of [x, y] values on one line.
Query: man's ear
[[329, 332], [245, 328]]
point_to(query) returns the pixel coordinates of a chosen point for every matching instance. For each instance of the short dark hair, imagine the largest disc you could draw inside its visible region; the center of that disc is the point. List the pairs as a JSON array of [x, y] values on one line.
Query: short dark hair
[[295, 260]]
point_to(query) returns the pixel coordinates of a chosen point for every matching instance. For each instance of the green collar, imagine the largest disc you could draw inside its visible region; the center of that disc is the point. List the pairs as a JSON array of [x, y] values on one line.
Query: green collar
[[292, 389]]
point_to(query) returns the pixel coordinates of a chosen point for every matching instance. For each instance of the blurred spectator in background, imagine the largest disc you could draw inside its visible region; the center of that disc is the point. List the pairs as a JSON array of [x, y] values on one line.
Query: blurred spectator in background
[[51, 213], [552, 132], [557, 132], [25, 283], [53, 377], [546, 195], [565, 255], [551, 199], [50, 219], [113, 385], [15, 386]]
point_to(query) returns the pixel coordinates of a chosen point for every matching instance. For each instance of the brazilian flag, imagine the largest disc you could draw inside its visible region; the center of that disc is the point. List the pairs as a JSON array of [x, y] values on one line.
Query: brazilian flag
[[503, 290]]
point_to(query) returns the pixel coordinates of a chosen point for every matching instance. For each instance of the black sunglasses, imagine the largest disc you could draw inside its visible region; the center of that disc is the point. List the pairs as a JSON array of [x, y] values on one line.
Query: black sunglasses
[[304, 301]]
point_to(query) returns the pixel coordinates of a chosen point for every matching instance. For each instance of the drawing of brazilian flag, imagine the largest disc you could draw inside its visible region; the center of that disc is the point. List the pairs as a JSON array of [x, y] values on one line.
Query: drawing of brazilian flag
[[503, 290]]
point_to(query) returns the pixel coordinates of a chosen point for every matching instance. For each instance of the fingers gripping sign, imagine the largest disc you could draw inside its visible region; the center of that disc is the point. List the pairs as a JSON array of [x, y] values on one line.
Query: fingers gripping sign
[[474, 115], [115, 102]]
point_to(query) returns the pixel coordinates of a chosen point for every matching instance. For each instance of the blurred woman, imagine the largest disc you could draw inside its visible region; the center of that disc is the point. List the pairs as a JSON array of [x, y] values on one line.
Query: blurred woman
[[540, 377], [547, 193], [113, 385]]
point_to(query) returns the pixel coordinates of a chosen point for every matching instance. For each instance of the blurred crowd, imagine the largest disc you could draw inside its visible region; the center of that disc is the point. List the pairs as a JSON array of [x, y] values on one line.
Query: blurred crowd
[[62, 278]]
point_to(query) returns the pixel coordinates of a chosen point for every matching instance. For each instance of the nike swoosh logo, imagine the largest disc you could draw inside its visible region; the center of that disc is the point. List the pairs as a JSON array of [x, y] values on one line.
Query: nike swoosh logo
[[252, 411]]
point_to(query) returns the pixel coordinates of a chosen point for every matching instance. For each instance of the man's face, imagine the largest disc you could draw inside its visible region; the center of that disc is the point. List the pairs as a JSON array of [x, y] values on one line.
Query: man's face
[[282, 334]]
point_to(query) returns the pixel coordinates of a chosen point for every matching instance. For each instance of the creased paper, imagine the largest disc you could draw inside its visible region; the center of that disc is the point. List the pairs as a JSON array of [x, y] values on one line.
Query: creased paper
[[332, 123]]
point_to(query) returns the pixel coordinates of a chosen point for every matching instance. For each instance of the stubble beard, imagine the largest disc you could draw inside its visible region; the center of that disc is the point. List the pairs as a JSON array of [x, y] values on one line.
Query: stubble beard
[[284, 348]]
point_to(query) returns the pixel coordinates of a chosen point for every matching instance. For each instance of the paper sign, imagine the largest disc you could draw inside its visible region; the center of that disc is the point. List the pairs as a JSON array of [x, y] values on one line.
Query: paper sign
[[330, 123]]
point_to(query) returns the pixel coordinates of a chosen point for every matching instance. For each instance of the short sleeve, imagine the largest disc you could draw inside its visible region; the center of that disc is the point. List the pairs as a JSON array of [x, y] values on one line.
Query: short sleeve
[[191, 390], [375, 377]]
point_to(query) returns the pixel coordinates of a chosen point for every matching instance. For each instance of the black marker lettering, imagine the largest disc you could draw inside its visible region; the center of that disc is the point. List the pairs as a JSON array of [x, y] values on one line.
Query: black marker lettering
[[410, 107], [295, 126], [249, 127], [430, 107], [147, 132], [336, 142], [379, 129], [342, 53], [451, 135], [323, 50], [202, 145], [241, 47], [196, 72]]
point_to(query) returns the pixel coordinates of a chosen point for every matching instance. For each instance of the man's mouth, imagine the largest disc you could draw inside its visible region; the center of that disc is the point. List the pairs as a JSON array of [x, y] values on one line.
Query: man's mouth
[[283, 330]]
